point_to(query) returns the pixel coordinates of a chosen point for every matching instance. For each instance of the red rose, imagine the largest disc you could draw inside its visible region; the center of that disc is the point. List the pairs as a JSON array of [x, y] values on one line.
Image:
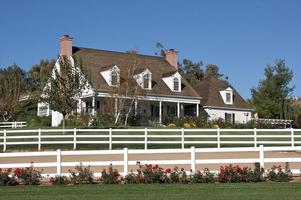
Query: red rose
[[168, 171]]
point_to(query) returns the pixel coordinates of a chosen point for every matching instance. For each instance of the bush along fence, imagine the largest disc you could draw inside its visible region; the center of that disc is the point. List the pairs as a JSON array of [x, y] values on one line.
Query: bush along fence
[[148, 174], [127, 159], [146, 137]]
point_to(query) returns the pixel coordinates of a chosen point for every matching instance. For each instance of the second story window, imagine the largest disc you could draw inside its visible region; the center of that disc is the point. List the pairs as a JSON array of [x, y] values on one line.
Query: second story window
[[228, 97], [146, 81], [176, 84], [114, 78]]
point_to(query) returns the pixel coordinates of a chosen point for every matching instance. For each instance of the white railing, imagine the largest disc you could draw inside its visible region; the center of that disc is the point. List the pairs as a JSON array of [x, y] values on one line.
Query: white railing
[[12, 124], [146, 137], [125, 162]]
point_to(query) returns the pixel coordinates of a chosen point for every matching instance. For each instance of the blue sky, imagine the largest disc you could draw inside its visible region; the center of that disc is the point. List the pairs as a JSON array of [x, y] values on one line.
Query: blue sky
[[240, 36]]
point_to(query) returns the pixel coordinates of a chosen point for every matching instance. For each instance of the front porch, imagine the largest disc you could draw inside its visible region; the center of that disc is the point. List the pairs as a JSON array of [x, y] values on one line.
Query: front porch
[[155, 109]]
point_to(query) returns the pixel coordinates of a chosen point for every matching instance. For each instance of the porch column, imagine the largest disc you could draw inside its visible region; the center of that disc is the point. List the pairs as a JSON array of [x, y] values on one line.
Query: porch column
[[93, 106], [136, 105], [178, 109], [197, 110], [160, 112], [115, 106], [79, 107]]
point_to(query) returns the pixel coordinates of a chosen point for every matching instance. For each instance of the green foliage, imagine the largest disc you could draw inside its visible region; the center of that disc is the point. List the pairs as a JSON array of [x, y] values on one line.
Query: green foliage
[[212, 70], [12, 87], [6, 179], [237, 174], [81, 121], [81, 175], [278, 174], [28, 175], [66, 84], [272, 98], [111, 176], [36, 121], [192, 72], [59, 180], [103, 119]]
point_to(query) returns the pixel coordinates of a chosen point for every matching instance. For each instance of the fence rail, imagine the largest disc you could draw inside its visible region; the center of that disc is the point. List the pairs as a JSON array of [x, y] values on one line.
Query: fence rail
[[146, 137], [13, 124], [125, 160]]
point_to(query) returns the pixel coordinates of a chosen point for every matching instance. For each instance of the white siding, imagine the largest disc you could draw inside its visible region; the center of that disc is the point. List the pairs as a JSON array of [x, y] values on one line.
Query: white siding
[[240, 116], [169, 81]]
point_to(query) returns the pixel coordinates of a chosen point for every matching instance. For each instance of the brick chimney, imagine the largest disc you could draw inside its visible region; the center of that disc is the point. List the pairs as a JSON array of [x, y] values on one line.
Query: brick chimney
[[66, 45], [172, 57]]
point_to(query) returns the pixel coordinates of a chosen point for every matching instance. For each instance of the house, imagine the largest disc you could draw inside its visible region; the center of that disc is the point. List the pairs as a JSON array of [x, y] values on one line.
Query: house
[[221, 100], [164, 92]]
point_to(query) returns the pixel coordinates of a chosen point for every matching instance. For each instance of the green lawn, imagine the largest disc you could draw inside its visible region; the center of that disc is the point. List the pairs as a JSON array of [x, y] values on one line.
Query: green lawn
[[266, 191]]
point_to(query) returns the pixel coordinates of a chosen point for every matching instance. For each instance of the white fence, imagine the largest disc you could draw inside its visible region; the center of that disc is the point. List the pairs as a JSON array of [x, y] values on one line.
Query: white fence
[[12, 124], [146, 137], [125, 162]]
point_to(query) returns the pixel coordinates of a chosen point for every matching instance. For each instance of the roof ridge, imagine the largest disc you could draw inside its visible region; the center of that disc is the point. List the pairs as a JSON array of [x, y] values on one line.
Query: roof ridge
[[118, 52]]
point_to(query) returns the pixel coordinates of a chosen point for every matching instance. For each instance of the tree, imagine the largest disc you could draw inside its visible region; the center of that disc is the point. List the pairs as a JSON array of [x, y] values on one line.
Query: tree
[[272, 98], [12, 89], [39, 74], [127, 90], [212, 70], [65, 86], [192, 72]]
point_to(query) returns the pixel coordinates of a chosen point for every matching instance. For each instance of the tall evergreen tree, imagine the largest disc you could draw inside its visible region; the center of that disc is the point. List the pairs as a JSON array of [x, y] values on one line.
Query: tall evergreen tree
[[64, 87], [272, 98]]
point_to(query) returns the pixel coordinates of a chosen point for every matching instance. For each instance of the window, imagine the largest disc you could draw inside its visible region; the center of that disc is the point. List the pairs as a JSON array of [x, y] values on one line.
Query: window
[[228, 97], [176, 84], [230, 117], [146, 80], [114, 78]]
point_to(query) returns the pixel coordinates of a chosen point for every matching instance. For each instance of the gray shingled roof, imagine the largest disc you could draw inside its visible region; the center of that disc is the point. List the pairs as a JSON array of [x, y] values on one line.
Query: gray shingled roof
[[98, 60], [209, 89]]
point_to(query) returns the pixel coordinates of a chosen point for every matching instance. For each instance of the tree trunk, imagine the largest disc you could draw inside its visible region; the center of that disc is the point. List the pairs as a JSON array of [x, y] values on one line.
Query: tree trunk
[[64, 124]]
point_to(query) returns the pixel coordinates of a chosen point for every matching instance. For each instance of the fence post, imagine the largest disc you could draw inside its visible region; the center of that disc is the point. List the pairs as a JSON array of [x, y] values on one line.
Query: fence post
[[192, 157], [125, 162], [39, 139], [4, 140], [218, 138], [292, 137], [261, 156], [110, 138], [74, 138], [145, 138], [182, 134], [255, 137], [58, 162]]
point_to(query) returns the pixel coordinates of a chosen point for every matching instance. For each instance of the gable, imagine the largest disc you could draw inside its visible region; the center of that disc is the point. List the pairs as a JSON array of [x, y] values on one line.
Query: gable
[[212, 91]]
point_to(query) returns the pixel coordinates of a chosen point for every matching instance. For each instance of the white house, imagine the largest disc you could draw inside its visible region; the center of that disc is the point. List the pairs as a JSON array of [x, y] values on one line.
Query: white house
[[221, 100], [165, 92]]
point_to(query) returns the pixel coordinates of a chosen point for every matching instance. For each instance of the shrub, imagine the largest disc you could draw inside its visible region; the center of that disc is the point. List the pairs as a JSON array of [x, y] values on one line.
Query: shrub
[[277, 174], [74, 121], [103, 119], [205, 177], [178, 176], [151, 174], [237, 174], [59, 180], [111, 176], [6, 179], [81, 175], [36, 121], [28, 175]]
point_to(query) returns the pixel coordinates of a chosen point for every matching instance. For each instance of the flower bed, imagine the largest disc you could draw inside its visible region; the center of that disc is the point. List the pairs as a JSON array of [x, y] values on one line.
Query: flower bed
[[149, 174]]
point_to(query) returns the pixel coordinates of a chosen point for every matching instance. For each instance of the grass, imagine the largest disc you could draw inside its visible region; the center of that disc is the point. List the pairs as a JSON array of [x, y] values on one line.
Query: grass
[[242, 191]]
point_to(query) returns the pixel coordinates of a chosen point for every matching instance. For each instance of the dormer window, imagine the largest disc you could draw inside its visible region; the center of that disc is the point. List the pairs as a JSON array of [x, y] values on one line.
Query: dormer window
[[176, 84], [114, 78], [146, 81], [143, 78], [228, 97]]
